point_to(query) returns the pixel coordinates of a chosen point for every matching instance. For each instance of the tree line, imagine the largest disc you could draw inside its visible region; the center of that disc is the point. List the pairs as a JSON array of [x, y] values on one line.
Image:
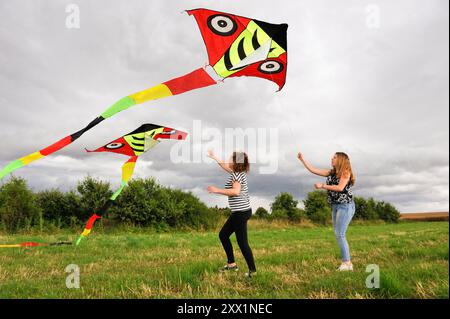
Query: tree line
[[145, 203], [318, 210]]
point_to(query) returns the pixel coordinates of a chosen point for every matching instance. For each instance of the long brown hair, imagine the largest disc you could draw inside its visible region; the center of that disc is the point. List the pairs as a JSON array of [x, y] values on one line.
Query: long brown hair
[[343, 166], [240, 162]]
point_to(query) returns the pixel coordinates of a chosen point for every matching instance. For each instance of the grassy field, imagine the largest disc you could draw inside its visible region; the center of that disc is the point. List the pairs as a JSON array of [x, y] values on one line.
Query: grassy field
[[293, 262]]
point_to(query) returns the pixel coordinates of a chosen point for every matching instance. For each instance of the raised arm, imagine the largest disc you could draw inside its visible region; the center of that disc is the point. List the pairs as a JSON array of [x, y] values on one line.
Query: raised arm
[[312, 169], [219, 161]]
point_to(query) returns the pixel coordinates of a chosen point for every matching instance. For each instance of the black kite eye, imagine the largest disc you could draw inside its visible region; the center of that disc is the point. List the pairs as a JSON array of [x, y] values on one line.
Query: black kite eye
[[271, 67], [222, 25], [114, 146]]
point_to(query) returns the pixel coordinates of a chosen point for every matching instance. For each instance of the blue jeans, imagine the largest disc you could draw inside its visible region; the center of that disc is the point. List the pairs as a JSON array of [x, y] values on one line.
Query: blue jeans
[[342, 216]]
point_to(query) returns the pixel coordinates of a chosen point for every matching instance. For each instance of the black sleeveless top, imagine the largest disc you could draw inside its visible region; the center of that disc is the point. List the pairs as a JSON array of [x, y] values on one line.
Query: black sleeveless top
[[344, 197]]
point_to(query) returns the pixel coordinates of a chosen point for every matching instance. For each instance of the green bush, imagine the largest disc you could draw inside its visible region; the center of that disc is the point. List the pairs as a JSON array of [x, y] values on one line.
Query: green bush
[[61, 209], [322, 216], [18, 206], [136, 205], [193, 213], [262, 213], [284, 201], [297, 215], [317, 207], [145, 203], [221, 211], [279, 214], [365, 209], [387, 212], [94, 194], [285, 206], [369, 209]]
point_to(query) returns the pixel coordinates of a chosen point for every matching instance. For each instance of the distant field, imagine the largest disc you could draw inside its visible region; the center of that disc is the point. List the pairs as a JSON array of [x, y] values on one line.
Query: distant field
[[432, 216], [294, 262]]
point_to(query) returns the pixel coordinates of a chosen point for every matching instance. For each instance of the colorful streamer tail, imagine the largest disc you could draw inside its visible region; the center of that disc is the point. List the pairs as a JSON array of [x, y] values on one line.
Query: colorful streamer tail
[[127, 173], [88, 228], [34, 244], [194, 80]]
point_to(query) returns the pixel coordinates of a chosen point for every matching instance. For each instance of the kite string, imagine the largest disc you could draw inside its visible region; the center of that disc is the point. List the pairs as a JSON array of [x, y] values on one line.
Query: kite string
[[282, 107]]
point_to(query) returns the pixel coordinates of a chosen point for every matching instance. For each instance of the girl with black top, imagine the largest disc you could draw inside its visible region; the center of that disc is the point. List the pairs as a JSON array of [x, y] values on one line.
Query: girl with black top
[[236, 189], [340, 180]]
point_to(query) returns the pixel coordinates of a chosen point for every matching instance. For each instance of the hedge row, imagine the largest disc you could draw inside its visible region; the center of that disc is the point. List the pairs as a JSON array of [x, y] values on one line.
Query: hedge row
[[318, 210], [146, 203], [143, 203]]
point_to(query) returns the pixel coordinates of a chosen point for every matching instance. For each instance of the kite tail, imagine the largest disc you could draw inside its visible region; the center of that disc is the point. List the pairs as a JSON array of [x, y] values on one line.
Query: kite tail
[[127, 173], [19, 163], [194, 80], [33, 244], [88, 228], [26, 244]]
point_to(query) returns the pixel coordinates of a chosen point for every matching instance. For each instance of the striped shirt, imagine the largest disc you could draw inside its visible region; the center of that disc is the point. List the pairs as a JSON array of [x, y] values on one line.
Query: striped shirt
[[241, 202]]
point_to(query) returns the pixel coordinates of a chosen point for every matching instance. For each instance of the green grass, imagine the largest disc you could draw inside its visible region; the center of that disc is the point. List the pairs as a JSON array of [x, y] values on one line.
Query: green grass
[[292, 261]]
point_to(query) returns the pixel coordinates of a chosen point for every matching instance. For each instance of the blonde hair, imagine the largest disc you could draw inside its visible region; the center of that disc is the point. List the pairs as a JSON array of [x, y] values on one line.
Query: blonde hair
[[343, 166]]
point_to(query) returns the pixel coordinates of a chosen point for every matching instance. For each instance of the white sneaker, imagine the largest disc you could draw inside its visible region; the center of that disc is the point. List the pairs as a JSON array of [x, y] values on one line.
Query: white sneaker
[[345, 267]]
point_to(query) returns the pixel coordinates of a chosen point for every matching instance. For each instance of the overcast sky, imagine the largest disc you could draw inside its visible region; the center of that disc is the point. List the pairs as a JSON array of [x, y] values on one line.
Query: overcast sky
[[366, 77]]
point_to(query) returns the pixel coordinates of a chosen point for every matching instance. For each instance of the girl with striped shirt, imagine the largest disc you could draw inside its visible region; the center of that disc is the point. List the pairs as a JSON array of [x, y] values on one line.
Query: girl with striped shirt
[[236, 189]]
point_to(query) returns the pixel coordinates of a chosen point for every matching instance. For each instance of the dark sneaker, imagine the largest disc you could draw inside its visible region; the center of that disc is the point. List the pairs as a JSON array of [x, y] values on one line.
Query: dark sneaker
[[229, 268], [250, 274]]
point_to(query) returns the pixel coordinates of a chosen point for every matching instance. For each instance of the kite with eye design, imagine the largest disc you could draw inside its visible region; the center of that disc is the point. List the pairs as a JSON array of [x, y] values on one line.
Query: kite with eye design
[[133, 145], [236, 46]]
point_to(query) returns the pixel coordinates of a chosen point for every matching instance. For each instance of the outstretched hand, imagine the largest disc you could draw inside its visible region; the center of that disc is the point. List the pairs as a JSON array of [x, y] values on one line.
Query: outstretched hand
[[212, 189], [300, 157], [318, 185], [211, 154]]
